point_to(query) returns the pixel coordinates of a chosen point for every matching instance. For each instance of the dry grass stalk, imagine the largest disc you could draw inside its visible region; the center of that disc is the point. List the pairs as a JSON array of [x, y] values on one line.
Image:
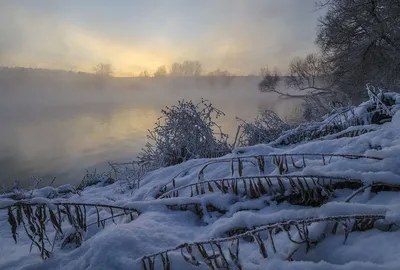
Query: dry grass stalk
[[223, 253], [35, 217], [297, 189], [310, 190], [283, 162], [352, 133]]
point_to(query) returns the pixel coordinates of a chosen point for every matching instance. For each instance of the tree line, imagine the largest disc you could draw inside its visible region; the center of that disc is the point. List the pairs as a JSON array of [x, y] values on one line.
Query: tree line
[[186, 68]]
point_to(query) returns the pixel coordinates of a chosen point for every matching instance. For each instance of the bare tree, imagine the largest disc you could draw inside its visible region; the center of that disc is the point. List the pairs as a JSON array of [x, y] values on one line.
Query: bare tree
[[186, 69], [161, 72], [192, 68], [361, 41], [144, 74], [270, 82], [310, 73], [175, 70], [103, 70], [313, 77]]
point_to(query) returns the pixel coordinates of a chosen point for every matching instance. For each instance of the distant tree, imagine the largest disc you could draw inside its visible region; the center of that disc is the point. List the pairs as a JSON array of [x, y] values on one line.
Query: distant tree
[[103, 70], [263, 72], [219, 73], [361, 41], [161, 72], [186, 69], [175, 70], [144, 74], [192, 68]]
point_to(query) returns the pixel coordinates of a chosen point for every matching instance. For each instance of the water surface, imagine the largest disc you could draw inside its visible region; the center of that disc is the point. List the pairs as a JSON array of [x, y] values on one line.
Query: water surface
[[55, 127]]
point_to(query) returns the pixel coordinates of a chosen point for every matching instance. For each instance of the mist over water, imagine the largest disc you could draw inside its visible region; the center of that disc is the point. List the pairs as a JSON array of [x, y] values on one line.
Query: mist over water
[[60, 125]]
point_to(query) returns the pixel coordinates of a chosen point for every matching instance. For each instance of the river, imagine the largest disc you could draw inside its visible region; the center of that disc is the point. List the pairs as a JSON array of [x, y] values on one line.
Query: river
[[61, 127]]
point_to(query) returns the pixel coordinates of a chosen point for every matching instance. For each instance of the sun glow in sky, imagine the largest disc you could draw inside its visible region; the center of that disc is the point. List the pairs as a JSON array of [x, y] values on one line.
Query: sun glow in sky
[[237, 35]]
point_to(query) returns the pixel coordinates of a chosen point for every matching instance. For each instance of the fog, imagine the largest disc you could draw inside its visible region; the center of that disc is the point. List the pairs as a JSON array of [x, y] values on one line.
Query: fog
[[58, 124]]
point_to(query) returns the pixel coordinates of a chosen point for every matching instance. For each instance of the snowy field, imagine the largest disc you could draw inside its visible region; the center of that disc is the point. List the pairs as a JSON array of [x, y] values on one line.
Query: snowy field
[[328, 203]]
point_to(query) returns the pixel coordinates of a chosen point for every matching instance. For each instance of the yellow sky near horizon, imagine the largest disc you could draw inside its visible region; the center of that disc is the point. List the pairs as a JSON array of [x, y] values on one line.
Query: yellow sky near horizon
[[127, 59], [133, 36]]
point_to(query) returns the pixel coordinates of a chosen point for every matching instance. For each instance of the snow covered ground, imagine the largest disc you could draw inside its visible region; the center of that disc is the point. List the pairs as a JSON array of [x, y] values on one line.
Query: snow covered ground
[[322, 211]]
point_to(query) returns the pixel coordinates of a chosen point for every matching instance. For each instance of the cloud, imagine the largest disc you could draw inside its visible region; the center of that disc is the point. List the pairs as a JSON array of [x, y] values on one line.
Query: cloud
[[234, 35]]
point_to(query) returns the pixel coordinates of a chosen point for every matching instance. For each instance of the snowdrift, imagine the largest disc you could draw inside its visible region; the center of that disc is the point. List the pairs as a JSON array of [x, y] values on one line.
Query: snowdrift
[[326, 200]]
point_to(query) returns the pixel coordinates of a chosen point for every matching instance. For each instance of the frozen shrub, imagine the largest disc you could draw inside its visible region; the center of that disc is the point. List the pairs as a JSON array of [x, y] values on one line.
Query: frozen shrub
[[379, 109], [129, 174], [315, 107], [93, 178], [265, 128], [184, 131]]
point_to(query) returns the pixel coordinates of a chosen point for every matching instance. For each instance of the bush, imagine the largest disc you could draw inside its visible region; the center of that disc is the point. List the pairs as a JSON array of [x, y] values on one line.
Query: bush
[[378, 109], [266, 128], [184, 131], [315, 107]]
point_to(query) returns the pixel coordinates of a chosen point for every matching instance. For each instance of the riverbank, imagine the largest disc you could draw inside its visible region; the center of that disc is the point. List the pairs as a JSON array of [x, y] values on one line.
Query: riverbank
[[328, 203]]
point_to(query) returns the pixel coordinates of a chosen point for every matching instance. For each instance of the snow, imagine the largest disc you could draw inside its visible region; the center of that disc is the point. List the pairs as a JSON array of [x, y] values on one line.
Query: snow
[[45, 192], [162, 226], [4, 203], [393, 216], [39, 200], [66, 188]]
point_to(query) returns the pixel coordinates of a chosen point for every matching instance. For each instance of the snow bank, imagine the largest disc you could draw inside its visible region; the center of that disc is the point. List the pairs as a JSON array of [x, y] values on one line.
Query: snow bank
[[165, 223]]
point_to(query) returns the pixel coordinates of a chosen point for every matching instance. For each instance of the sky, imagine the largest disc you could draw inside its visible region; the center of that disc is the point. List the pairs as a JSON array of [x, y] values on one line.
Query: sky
[[237, 35]]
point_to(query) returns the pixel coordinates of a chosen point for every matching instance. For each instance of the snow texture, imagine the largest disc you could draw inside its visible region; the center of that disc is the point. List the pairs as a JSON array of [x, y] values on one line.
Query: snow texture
[[160, 226]]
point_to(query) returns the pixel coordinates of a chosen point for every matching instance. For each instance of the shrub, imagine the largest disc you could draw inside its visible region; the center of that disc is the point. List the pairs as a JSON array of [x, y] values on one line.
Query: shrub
[[184, 131], [379, 109], [315, 107], [265, 128]]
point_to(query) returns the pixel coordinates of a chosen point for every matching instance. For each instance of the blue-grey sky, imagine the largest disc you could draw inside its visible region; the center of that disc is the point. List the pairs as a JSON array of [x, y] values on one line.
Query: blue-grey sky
[[238, 35]]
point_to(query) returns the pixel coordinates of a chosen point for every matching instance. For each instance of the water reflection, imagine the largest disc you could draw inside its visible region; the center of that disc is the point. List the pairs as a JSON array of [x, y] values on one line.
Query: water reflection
[[64, 144], [46, 135]]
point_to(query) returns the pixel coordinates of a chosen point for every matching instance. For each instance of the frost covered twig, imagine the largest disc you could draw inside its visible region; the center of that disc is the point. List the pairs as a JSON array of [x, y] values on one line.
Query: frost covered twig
[[131, 172], [296, 189], [215, 253], [93, 178], [282, 161], [378, 98], [361, 189], [34, 217]]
